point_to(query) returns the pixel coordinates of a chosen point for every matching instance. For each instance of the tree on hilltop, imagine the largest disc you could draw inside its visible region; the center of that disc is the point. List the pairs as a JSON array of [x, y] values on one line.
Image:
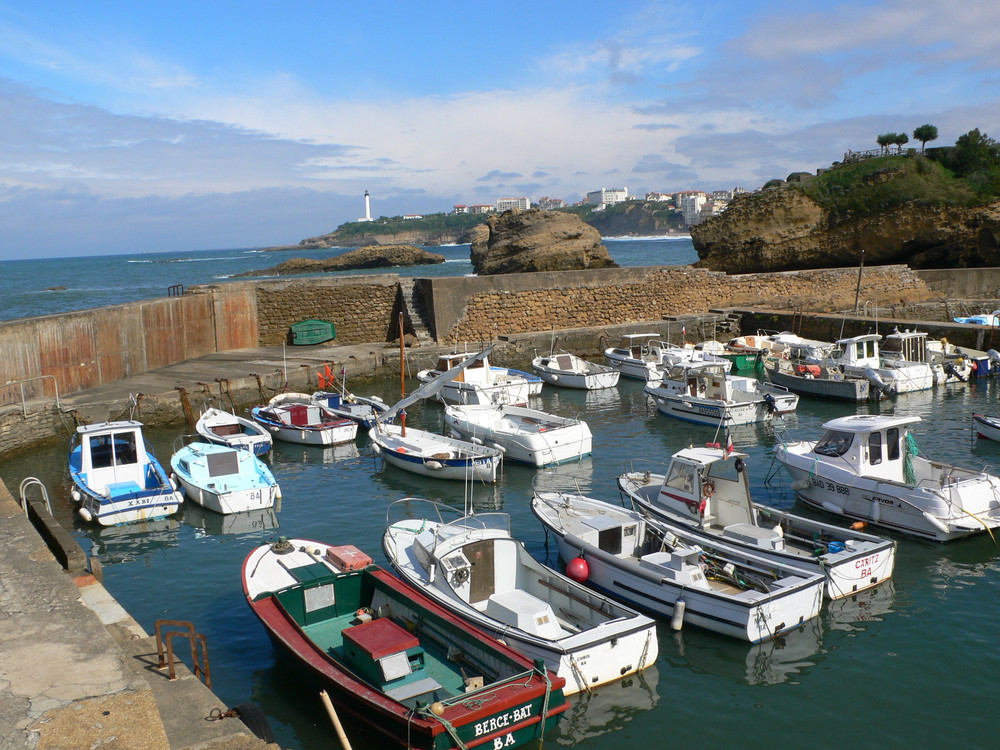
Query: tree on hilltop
[[924, 134], [900, 140], [885, 140]]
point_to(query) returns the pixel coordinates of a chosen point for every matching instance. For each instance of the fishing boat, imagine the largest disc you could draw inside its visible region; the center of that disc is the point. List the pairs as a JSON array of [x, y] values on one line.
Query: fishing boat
[[705, 492], [428, 453], [867, 467], [716, 587], [116, 477], [472, 566], [478, 382], [570, 371], [987, 427], [296, 418], [810, 378], [913, 346], [535, 383], [982, 319], [410, 672], [526, 435], [226, 480], [224, 428], [639, 356], [704, 393], [311, 331], [858, 356]]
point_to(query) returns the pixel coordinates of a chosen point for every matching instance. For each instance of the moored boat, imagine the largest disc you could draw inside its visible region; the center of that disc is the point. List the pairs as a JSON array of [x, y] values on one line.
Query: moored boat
[[224, 428], [987, 427], [706, 492], [867, 467], [477, 381], [411, 672], [296, 418], [712, 586], [570, 371], [475, 568], [361, 409], [526, 435], [223, 479], [116, 476], [638, 355]]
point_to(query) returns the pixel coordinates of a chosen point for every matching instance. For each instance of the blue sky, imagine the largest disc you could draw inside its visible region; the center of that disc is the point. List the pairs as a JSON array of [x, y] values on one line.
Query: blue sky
[[131, 127]]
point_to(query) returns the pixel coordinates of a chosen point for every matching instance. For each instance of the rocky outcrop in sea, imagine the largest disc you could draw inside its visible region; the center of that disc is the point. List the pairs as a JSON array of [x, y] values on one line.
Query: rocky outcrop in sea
[[373, 256], [537, 240]]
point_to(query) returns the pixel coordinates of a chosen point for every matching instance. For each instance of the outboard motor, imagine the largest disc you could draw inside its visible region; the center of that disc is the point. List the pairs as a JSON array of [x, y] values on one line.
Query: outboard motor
[[994, 356], [769, 402], [952, 371], [877, 382]]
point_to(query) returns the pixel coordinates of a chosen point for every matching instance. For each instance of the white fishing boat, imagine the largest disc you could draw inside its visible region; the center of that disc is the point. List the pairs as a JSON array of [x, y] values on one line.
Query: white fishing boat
[[903, 347], [296, 418], [818, 380], [428, 453], [705, 351], [116, 476], [706, 492], [867, 467], [858, 356], [526, 435], [224, 428], [712, 586], [223, 479], [477, 382], [535, 383], [570, 371], [638, 355], [987, 427], [346, 405], [705, 393], [474, 567]]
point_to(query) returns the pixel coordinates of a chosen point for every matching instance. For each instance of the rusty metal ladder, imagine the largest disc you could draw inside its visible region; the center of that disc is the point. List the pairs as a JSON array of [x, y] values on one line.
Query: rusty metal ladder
[[199, 649]]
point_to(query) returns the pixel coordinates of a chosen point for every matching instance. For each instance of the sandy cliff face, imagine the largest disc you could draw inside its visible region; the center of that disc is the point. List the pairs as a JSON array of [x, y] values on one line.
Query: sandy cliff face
[[780, 230], [538, 240]]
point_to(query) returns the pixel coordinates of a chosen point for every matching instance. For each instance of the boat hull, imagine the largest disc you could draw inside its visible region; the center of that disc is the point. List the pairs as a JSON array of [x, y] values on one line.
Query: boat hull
[[846, 389], [540, 440], [584, 375], [431, 455]]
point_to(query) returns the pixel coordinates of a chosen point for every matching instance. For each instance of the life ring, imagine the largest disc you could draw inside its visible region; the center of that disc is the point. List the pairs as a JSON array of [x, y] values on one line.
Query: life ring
[[708, 488]]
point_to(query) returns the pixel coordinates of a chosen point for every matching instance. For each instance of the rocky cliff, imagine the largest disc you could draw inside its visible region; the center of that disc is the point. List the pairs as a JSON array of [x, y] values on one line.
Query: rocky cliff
[[782, 229], [537, 240]]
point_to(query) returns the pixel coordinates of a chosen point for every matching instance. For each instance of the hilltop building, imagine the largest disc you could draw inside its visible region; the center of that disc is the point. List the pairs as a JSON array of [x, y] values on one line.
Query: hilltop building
[[606, 197], [547, 203], [481, 208], [506, 204]]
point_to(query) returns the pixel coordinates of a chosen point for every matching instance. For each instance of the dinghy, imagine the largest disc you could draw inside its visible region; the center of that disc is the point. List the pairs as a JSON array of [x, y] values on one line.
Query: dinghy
[[296, 418], [224, 428], [570, 371]]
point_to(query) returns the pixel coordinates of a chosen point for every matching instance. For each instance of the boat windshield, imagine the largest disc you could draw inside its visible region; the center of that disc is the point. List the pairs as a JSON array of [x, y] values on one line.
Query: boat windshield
[[681, 477], [834, 443], [462, 526]]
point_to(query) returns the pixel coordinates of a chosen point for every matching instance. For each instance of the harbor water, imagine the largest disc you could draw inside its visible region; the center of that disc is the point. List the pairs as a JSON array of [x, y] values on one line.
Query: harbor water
[[912, 662]]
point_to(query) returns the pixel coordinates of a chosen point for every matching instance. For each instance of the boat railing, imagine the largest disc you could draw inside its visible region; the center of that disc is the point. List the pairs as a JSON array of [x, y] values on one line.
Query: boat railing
[[451, 521], [25, 397]]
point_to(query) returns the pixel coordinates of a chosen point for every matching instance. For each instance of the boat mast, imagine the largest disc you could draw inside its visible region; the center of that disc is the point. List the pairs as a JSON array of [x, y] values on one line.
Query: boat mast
[[402, 383]]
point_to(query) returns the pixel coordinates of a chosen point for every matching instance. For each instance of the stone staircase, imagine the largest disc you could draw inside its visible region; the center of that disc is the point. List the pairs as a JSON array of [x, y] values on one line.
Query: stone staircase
[[416, 311]]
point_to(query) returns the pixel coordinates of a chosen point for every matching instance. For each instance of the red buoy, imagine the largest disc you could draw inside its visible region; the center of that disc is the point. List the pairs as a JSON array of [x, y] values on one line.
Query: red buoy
[[578, 570]]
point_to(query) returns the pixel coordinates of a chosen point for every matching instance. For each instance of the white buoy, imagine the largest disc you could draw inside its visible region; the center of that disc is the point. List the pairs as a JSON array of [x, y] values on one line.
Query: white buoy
[[800, 484], [828, 506], [435, 465], [85, 514], [75, 494], [936, 523], [876, 511], [677, 619]]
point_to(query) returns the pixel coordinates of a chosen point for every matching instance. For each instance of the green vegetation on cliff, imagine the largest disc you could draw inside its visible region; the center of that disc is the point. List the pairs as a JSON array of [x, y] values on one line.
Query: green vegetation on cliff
[[964, 175], [392, 225]]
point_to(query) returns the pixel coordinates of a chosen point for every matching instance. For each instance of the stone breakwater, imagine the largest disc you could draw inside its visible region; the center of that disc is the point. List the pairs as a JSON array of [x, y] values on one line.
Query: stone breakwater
[[645, 294]]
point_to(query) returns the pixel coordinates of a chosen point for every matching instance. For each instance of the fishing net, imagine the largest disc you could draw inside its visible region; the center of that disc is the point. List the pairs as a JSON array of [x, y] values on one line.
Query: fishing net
[[909, 475]]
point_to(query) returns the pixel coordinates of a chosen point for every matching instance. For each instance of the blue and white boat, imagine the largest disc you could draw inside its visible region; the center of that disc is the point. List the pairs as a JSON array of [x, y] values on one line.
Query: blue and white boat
[[360, 409], [116, 477], [224, 428], [223, 479]]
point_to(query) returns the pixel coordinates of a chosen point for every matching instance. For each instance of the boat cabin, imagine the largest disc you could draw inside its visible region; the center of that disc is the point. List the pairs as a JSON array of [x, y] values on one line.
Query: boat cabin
[[872, 445], [712, 486], [909, 346], [641, 346], [113, 458], [858, 351], [477, 371]]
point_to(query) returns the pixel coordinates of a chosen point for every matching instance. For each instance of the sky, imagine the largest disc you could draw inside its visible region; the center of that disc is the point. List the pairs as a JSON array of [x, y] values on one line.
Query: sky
[[149, 127]]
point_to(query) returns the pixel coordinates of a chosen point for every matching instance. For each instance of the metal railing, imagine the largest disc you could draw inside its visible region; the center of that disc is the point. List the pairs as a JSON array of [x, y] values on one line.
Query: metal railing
[[22, 383], [165, 651]]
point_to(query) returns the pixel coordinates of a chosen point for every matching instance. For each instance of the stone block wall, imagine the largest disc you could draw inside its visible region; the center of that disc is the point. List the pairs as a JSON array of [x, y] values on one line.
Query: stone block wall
[[482, 308], [360, 307]]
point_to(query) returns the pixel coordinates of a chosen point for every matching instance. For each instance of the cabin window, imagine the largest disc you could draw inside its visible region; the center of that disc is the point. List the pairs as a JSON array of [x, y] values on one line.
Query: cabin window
[[221, 464], [892, 443], [834, 443], [610, 540], [875, 448], [681, 477]]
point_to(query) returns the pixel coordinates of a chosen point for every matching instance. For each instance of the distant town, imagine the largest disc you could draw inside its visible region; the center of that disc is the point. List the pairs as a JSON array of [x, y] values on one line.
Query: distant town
[[694, 205]]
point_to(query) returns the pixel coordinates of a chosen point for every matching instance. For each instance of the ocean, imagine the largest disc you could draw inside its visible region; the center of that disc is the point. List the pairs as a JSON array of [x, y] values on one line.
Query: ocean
[[54, 285], [859, 676]]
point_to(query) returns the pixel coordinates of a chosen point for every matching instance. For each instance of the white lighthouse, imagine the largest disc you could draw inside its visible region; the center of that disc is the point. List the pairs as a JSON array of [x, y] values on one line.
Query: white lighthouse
[[368, 208]]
